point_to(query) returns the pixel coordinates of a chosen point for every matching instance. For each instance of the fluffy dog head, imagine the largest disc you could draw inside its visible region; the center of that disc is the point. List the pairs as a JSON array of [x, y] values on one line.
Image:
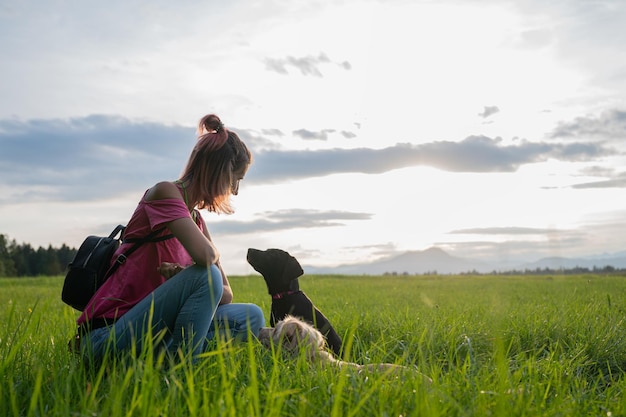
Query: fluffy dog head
[[293, 335], [277, 267]]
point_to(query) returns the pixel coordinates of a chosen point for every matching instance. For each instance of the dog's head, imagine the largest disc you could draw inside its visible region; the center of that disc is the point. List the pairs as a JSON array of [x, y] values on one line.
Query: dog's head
[[277, 267], [293, 335]]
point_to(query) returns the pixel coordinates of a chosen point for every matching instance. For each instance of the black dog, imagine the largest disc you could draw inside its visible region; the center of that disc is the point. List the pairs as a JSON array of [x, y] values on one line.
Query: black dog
[[281, 271]]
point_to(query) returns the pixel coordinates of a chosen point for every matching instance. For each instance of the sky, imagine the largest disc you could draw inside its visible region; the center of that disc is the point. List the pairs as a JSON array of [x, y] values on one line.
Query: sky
[[494, 130]]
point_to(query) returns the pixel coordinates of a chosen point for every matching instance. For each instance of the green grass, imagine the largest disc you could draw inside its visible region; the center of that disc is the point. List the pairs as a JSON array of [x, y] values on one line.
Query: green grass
[[499, 346]]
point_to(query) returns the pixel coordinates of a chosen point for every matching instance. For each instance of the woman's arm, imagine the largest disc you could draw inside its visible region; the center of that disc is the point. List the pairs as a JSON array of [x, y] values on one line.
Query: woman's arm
[[227, 295], [197, 244]]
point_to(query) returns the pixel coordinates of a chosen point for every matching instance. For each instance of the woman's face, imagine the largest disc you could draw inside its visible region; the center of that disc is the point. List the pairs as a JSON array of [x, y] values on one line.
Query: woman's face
[[238, 175]]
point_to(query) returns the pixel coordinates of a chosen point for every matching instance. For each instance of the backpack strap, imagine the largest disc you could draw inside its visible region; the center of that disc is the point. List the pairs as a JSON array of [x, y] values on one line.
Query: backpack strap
[[138, 241], [119, 229], [149, 238]]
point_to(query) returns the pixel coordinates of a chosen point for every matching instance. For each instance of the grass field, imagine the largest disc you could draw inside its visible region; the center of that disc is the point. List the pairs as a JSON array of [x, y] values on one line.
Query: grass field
[[493, 345]]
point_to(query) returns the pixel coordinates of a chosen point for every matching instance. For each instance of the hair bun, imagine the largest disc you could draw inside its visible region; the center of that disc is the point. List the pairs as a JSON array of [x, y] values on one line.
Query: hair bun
[[212, 133], [210, 124]]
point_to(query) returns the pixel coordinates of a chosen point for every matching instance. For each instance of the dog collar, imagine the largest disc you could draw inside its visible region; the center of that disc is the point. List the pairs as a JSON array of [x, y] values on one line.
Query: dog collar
[[282, 294]]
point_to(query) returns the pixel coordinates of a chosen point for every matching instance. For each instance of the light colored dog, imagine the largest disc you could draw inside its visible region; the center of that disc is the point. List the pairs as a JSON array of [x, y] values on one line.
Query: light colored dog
[[294, 336]]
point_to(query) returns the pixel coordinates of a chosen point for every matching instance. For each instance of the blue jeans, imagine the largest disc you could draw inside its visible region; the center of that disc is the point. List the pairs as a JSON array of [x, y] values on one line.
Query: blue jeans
[[182, 313]]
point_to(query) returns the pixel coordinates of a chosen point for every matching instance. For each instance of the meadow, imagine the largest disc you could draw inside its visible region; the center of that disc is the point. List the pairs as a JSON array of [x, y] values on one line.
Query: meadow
[[493, 346]]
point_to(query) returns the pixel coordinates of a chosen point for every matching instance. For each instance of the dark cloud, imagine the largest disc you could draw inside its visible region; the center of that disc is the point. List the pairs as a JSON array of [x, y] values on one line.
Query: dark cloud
[[91, 157], [308, 65], [311, 135], [288, 219], [102, 156], [321, 135], [473, 154], [609, 125]]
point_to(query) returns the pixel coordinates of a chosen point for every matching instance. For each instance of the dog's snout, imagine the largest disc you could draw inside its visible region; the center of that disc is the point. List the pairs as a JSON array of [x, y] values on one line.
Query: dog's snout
[[251, 252]]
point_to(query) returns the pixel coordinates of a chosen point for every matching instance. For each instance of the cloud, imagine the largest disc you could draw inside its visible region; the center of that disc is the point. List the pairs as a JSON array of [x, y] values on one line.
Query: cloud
[[603, 237], [609, 125], [90, 157], [611, 178], [288, 219], [322, 134], [618, 181], [598, 171], [97, 157], [308, 65], [488, 111], [273, 132], [515, 251], [473, 154], [310, 135], [502, 231]]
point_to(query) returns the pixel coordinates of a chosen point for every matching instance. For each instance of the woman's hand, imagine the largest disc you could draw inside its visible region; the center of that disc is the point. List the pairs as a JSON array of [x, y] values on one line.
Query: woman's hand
[[227, 294], [169, 269]]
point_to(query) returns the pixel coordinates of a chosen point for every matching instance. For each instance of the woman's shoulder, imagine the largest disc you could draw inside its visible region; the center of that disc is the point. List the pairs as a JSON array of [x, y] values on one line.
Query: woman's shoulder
[[163, 190]]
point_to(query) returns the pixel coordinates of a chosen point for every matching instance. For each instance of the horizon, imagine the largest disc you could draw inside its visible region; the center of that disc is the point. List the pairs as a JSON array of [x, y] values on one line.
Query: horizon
[[491, 130], [434, 261]]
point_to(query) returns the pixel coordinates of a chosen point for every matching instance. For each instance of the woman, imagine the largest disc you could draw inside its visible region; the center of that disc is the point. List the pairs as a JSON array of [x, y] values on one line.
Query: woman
[[173, 288]]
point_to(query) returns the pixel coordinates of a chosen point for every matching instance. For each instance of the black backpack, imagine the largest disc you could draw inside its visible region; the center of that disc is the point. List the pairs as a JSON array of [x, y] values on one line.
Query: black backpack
[[91, 265]]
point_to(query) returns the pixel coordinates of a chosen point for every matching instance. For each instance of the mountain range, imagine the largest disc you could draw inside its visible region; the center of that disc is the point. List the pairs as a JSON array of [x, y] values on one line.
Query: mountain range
[[436, 260]]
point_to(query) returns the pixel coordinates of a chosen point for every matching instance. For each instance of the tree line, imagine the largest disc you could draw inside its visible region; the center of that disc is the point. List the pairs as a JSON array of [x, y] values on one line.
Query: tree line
[[22, 260], [577, 270]]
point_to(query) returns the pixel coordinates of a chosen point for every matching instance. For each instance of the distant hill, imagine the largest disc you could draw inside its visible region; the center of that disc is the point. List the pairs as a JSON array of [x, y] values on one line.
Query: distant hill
[[437, 260], [412, 262], [570, 263]]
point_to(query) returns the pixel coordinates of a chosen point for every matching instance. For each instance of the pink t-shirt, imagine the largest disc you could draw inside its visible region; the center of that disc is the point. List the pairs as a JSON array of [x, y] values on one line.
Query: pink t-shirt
[[138, 276]]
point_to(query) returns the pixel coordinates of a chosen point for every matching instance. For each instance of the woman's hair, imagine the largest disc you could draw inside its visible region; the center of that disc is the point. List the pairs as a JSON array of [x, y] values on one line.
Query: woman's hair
[[209, 172]]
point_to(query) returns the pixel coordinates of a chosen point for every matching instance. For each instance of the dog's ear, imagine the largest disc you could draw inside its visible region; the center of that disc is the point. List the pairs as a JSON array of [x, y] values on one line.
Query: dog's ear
[[292, 269]]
